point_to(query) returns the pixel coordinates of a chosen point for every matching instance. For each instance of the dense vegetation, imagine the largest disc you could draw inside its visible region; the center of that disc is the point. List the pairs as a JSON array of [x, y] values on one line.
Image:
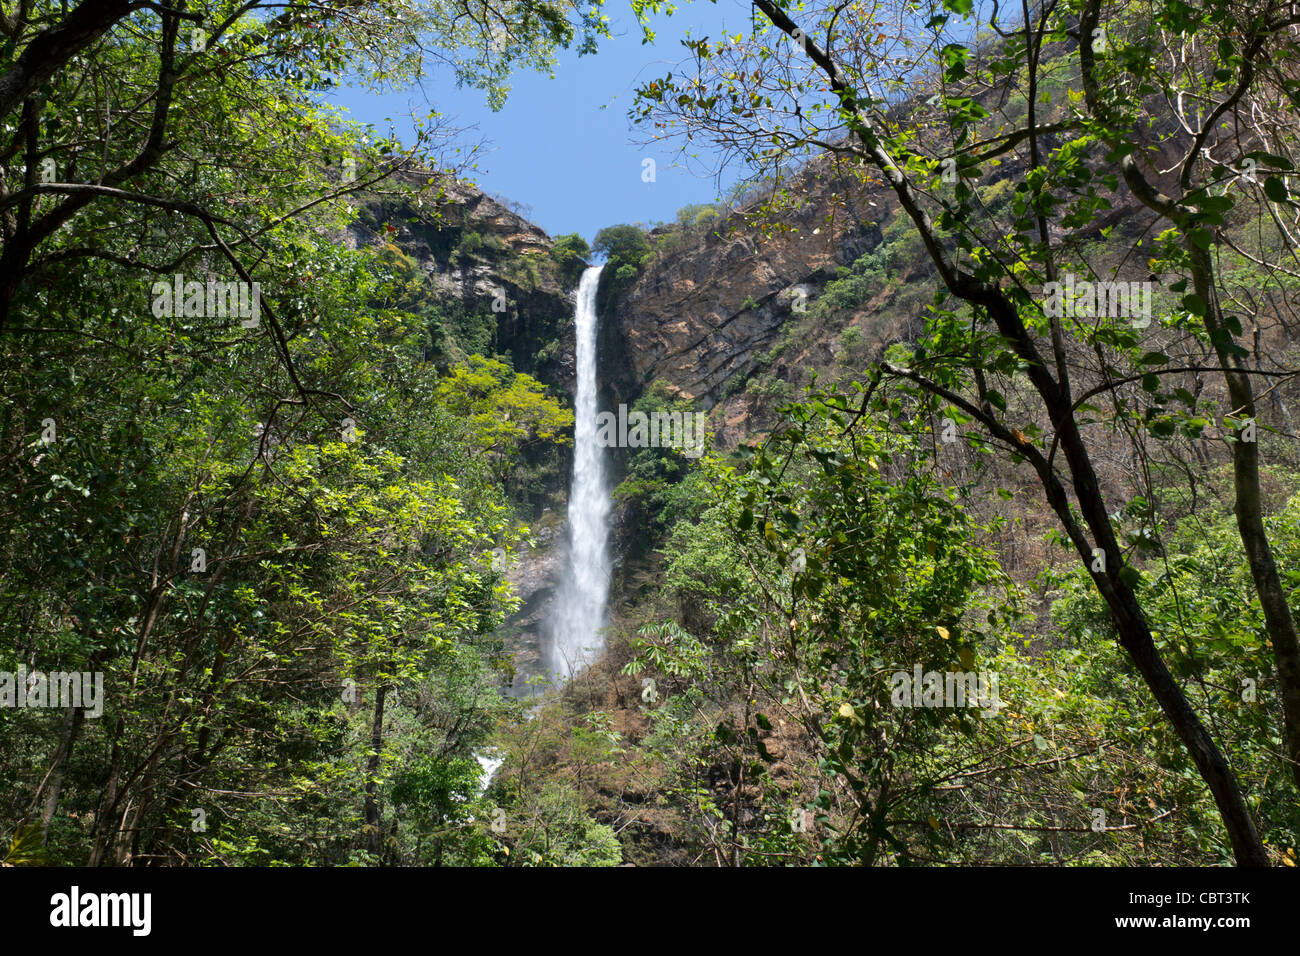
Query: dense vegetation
[[274, 533], [282, 534]]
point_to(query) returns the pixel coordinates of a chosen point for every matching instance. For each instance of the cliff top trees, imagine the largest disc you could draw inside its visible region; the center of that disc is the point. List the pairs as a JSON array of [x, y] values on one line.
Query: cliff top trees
[[625, 243], [1086, 103], [571, 252]]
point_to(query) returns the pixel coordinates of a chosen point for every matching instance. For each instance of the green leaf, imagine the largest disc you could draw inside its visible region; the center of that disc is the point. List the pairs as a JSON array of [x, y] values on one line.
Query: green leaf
[[1271, 159], [27, 847]]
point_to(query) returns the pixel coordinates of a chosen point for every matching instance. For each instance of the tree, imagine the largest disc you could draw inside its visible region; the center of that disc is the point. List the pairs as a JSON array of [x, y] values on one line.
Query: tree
[[190, 79], [995, 344], [246, 513], [625, 244], [571, 252]]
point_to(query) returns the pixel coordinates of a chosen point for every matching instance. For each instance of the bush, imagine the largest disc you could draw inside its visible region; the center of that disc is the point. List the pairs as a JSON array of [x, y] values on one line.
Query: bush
[[570, 253], [627, 249], [627, 244], [470, 243]]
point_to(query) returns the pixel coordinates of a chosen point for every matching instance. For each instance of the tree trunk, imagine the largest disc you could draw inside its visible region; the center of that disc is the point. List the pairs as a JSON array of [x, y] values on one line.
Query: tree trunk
[[372, 771], [1249, 511], [52, 786]]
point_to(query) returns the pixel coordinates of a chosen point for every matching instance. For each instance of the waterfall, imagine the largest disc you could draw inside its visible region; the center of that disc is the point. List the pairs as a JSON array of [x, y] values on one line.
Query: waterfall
[[578, 614]]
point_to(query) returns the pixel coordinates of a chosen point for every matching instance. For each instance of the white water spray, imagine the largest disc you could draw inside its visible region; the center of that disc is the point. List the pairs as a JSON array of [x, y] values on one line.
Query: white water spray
[[578, 613]]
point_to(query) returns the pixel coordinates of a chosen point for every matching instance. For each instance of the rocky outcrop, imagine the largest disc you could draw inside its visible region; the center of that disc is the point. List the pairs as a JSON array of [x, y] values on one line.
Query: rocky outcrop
[[703, 313], [465, 249], [474, 250], [533, 575]]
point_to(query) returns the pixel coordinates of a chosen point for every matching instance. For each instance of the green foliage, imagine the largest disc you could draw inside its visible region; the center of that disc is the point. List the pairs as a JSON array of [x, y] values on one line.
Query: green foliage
[[571, 253], [458, 330], [254, 532], [470, 243], [557, 831], [627, 249], [1209, 626], [888, 577], [623, 244], [659, 487], [27, 848], [506, 408]]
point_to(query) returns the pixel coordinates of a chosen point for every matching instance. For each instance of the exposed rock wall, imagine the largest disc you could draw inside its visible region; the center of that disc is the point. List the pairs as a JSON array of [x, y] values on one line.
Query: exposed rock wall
[[702, 316]]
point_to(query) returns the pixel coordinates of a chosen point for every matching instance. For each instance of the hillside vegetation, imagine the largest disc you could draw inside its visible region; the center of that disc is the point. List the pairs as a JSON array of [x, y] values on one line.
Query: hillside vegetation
[[981, 567]]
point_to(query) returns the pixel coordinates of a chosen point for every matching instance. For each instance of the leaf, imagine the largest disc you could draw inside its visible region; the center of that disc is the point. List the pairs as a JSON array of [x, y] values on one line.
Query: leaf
[[1270, 159], [1130, 576], [967, 655], [846, 710], [1275, 189], [954, 58], [943, 632], [26, 848]]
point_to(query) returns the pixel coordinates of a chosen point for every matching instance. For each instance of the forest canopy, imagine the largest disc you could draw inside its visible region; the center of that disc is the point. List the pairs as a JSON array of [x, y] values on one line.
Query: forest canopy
[[992, 557]]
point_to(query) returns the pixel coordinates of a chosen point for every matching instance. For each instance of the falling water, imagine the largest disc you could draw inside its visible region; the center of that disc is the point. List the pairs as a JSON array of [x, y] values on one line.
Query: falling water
[[578, 613]]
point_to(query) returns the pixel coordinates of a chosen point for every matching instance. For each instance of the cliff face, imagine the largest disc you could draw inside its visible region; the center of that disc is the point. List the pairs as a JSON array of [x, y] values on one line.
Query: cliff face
[[473, 251], [703, 314], [490, 283], [734, 319]]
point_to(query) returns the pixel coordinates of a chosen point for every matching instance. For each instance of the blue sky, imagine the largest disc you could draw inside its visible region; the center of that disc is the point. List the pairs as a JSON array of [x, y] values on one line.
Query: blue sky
[[565, 146]]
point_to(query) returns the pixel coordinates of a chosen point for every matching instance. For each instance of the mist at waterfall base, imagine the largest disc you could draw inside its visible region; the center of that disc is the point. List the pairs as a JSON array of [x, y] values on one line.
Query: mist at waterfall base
[[573, 630]]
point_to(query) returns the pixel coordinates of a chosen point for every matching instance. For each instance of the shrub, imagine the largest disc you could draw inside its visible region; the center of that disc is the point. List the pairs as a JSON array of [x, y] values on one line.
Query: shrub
[[570, 253], [625, 243]]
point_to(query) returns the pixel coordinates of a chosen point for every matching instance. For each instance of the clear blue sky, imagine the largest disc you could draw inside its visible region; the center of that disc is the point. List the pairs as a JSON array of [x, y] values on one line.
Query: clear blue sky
[[565, 146]]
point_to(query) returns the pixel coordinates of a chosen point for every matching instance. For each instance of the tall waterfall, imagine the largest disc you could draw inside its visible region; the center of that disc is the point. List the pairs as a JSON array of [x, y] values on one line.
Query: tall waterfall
[[578, 613]]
